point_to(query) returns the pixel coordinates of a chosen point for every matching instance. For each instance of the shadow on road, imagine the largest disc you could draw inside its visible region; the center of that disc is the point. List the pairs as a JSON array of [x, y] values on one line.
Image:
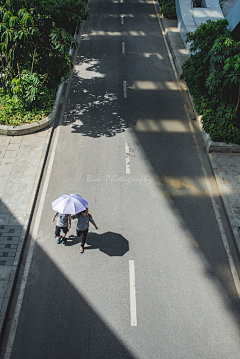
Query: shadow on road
[[56, 320], [113, 244]]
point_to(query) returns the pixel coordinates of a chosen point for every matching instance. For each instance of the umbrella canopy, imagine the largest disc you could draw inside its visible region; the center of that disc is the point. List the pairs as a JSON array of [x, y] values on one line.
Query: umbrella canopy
[[69, 204]]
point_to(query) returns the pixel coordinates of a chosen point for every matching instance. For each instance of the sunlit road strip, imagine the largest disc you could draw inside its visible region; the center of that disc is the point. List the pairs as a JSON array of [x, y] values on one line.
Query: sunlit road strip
[[123, 48], [209, 186], [133, 307], [127, 154], [124, 89], [15, 319]]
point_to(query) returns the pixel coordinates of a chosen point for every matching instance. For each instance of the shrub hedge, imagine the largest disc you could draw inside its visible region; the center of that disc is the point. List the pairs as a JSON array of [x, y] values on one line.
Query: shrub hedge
[[212, 75], [168, 8]]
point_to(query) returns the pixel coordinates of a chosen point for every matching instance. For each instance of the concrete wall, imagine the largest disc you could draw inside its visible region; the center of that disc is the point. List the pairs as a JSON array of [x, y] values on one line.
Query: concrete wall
[[234, 16], [185, 19], [189, 18], [212, 4]]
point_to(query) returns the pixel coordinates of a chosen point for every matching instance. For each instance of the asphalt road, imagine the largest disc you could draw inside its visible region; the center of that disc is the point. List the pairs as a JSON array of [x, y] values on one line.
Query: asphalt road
[[125, 145]]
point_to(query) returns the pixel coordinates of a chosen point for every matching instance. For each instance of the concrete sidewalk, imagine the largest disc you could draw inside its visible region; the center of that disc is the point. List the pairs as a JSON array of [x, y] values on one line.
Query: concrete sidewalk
[[21, 163]]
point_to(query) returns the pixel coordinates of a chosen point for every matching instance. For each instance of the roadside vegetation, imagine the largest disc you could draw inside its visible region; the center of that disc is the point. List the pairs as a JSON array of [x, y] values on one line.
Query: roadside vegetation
[[212, 75], [168, 8], [35, 39]]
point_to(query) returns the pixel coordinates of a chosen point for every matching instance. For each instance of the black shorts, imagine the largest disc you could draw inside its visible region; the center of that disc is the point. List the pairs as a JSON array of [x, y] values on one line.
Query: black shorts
[[58, 230]]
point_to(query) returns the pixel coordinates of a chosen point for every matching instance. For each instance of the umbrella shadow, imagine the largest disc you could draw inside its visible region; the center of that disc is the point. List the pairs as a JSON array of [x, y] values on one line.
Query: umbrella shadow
[[113, 244]]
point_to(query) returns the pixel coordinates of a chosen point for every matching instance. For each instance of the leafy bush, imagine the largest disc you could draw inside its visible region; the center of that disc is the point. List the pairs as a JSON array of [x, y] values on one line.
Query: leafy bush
[[35, 39], [212, 75], [168, 8], [12, 113]]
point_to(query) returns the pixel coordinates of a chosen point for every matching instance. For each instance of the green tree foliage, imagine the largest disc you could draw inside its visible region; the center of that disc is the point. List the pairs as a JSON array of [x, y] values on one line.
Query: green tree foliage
[[35, 39], [212, 75], [168, 8]]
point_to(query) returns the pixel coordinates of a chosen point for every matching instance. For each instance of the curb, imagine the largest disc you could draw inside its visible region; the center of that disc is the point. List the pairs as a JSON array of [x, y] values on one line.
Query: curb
[[230, 215], [179, 53]]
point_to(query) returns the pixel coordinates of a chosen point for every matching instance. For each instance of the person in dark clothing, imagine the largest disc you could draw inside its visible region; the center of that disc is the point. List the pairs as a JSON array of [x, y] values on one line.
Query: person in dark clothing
[[83, 225]]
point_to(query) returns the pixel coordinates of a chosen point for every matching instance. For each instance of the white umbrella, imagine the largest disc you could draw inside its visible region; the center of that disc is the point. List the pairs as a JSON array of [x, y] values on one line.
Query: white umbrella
[[69, 204]]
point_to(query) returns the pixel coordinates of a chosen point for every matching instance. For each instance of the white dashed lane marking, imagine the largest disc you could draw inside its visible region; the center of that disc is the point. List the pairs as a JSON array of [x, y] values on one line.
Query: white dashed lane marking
[[133, 305], [123, 48], [127, 155], [124, 89]]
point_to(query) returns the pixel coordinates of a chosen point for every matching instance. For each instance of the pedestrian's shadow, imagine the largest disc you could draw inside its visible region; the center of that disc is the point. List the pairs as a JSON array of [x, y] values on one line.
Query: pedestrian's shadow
[[113, 244], [72, 240]]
